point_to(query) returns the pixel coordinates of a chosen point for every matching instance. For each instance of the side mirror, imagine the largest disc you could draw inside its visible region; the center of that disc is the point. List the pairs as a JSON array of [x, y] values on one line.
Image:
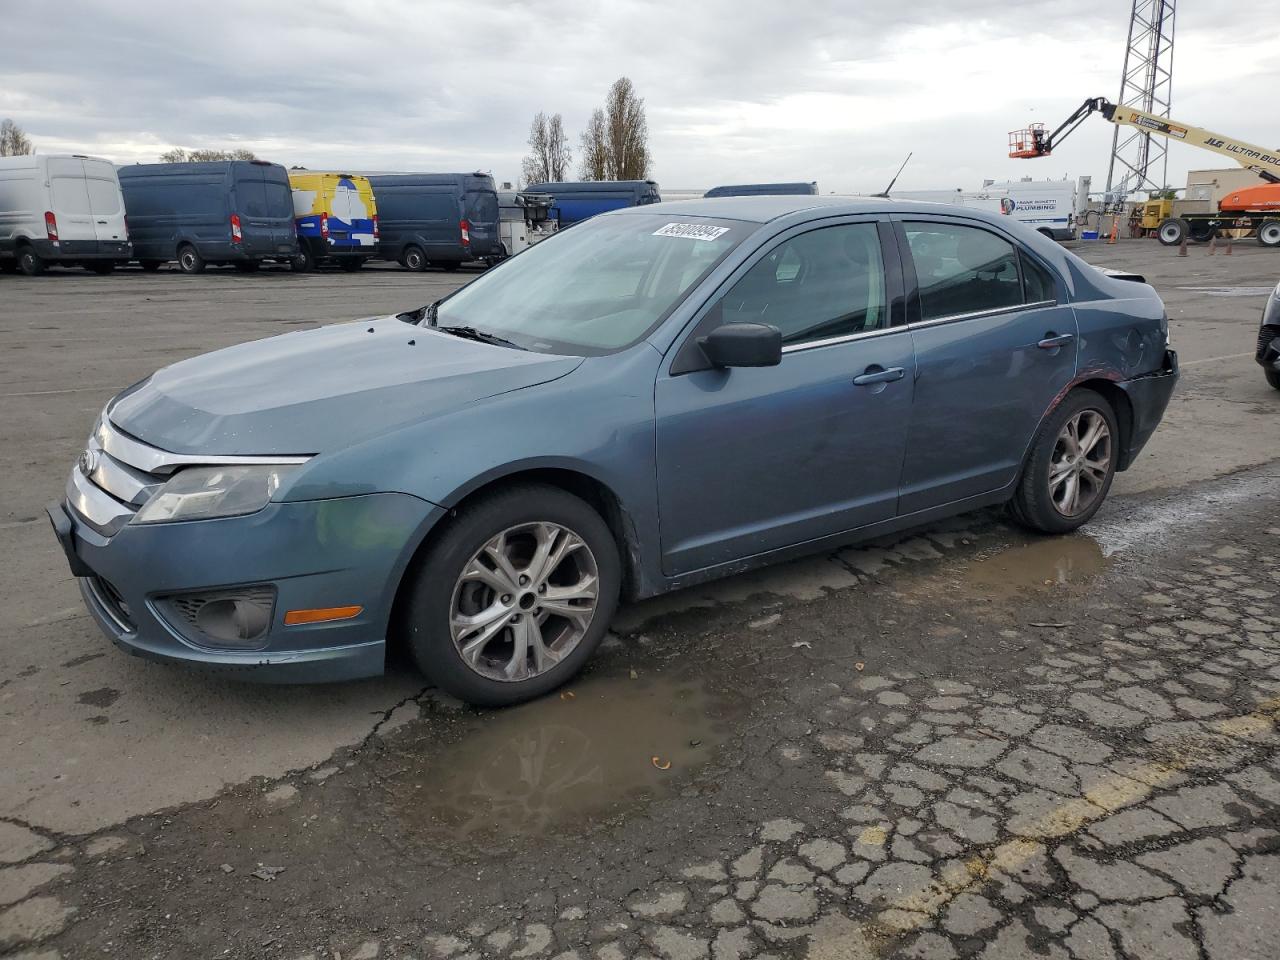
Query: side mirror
[[743, 345]]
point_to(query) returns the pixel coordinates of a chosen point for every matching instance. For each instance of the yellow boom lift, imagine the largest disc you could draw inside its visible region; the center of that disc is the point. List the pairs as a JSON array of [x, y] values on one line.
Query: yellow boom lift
[[1255, 209]]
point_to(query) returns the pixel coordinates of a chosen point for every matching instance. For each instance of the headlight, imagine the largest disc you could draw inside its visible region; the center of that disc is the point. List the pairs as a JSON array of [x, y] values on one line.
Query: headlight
[[201, 493]]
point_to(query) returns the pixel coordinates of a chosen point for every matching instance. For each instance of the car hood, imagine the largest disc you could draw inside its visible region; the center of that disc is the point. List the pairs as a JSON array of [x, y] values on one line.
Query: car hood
[[318, 390]]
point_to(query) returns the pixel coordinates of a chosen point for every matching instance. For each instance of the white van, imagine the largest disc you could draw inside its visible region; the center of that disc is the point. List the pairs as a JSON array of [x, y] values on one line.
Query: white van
[[61, 209], [1045, 205], [1048, 206]]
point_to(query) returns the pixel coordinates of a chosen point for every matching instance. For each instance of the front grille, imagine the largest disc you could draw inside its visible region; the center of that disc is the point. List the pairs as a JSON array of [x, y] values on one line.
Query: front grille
[[112, 603], [235, 618]]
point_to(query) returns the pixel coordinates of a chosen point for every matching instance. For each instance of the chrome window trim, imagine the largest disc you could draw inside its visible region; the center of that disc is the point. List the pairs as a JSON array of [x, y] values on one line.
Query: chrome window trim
[[952, 317], [154, 460], [847, 338]]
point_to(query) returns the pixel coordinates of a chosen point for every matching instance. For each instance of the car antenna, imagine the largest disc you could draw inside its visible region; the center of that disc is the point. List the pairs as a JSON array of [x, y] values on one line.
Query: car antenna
[[885, 194]]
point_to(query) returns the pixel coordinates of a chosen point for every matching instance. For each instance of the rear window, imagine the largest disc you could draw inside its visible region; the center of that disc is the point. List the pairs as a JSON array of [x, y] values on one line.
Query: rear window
[[251, 198], [104, 197], [481, 206], [279, 200], [70, 195], [962, 270]]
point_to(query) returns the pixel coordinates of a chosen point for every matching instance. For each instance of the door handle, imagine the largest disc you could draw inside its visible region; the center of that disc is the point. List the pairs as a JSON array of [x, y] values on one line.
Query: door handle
[[1054, 340], [876, 374]]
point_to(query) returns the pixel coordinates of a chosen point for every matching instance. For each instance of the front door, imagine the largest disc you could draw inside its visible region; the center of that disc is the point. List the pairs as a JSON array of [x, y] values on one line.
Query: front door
[[995, 345], [754, 459]]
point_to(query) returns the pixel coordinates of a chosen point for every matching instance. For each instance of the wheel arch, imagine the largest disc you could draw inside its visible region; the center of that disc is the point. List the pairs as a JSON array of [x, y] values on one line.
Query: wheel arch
[[581, 484]]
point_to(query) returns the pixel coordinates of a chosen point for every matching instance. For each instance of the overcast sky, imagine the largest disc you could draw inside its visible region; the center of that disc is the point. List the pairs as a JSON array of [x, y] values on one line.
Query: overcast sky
[[735, 90]]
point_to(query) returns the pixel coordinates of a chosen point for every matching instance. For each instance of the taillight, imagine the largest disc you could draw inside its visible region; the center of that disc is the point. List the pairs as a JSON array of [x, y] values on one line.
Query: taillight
[[236, 234], [51, 225], [466, 232], [375, 226], [324, 225]]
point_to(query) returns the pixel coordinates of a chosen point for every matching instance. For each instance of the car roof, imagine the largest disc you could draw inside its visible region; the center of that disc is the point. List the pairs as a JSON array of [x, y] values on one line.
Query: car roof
[[762, 209]]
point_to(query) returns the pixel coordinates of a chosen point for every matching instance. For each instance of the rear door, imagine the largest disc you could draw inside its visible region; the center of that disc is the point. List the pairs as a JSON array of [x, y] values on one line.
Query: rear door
[[251, 207], [69, 196], [105, 202], [278, 212], [995, 344], [480, 208]]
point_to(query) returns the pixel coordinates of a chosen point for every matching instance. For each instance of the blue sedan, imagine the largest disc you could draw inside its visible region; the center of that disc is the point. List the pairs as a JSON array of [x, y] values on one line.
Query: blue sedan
[[654, 398]]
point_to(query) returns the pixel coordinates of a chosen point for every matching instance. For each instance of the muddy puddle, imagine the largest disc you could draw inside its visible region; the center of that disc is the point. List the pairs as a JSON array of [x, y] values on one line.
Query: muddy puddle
[[1038, 564], [574, 756]]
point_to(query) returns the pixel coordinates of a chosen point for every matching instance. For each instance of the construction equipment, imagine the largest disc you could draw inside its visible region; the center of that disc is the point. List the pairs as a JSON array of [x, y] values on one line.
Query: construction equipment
[[1255, 209]]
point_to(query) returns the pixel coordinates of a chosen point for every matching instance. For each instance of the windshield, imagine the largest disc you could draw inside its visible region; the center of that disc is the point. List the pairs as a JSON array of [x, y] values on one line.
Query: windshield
[[597, 287]]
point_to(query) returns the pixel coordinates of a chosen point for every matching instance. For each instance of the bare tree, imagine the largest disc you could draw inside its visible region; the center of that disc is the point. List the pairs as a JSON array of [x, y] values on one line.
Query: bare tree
[[626, 133], [549, 156], [13, 141], [594, 163], [558, 152], [179, 155]]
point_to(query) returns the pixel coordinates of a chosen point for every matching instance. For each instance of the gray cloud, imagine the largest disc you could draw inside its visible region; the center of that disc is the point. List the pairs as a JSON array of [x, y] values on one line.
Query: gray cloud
[[836, 91]]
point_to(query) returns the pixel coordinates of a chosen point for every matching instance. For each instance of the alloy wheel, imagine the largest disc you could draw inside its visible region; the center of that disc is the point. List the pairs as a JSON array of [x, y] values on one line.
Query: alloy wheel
[[524, 601], [1080, 464]]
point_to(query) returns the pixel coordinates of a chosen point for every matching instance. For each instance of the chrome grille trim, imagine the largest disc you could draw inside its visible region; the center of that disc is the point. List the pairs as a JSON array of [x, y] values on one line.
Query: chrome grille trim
[[150, 459], [102, 510]]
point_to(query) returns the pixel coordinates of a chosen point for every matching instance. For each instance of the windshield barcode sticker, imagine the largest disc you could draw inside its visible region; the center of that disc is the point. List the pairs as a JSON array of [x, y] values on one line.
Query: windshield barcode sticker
[[691, 231]]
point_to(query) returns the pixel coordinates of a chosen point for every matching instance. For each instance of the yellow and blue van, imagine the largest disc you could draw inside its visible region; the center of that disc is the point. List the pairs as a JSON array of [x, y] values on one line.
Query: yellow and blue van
[[336, 216]]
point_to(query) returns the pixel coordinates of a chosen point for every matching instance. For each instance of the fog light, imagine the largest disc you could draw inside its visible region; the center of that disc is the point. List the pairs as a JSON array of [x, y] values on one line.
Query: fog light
[[238, 618], [233, 620]]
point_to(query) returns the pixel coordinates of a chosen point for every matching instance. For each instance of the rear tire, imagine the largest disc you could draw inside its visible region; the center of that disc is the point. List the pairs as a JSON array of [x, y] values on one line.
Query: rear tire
[[302, 261], [1269, 233], [414, 259], [150, 266], [189, 259], [1058, 467], [444, 593], [30, 263], [1173, 231]]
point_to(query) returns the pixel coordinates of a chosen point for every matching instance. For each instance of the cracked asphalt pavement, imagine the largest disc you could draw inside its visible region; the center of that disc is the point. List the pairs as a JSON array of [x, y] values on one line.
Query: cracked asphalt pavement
[[962, 743]]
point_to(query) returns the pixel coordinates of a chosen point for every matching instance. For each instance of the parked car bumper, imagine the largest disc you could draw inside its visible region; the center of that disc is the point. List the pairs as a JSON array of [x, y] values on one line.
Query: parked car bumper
[[141, 583], [1148, 397]]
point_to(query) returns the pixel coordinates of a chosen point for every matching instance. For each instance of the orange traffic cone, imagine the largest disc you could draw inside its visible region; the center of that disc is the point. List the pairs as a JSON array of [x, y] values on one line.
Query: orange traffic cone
[[1213, 243], [1182, 247], [1115, 229]]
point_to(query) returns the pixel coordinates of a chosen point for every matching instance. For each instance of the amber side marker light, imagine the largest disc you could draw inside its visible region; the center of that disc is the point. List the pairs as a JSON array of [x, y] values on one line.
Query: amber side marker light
[[321, 615]]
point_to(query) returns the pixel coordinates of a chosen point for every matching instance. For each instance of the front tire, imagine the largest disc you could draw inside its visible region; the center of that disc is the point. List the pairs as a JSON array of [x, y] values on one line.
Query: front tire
[[515, 596], [1072, 462], [1273, 378]]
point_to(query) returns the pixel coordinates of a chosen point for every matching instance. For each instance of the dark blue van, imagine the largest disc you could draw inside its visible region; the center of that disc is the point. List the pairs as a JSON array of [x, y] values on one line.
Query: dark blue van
[[224, 211], [578, 201], [764, 190], [437, 219]]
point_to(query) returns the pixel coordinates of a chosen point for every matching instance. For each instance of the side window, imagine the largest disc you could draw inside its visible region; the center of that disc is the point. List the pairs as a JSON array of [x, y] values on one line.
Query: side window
[[1037, 282], [962, 269], [820, 284]]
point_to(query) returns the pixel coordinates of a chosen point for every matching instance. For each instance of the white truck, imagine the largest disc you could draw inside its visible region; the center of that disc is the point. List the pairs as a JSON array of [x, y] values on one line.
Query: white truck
[[524, 218], [63, 209]]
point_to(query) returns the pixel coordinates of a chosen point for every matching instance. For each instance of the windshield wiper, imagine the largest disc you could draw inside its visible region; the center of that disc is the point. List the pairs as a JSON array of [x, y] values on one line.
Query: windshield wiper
[[471, 333]]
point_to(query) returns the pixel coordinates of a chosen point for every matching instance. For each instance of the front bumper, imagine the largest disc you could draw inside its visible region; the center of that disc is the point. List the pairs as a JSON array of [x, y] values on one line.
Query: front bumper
[[321, 553], [1268, 354], [1148, 397]]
